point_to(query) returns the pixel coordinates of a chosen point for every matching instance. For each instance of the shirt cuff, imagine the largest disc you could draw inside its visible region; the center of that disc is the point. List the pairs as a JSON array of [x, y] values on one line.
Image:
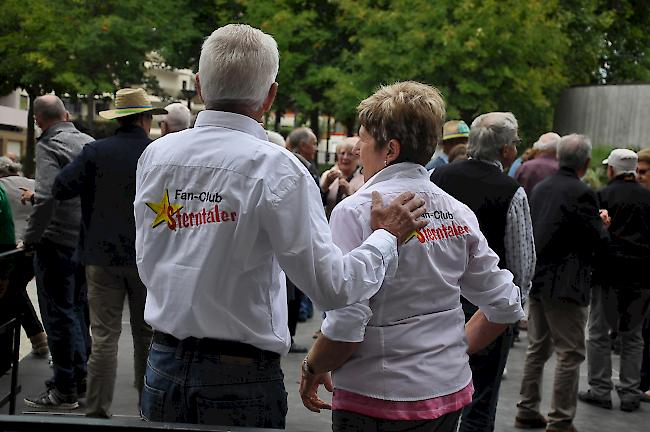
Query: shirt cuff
[[508, 315], [347, 324], [386, 244]]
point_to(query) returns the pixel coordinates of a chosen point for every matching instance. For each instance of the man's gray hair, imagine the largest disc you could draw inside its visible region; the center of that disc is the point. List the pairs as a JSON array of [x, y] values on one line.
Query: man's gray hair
[[574, 151], [9, 167], [238, 65], [49, 107], [275, 138], [489, 133], [547, 142], [178, 117], [297, 136]]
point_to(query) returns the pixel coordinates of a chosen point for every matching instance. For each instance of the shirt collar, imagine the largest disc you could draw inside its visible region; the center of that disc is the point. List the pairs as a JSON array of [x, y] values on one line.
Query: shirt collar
[[495, 163], [56, 128], [131, 129], [230, 120], [399, 170]]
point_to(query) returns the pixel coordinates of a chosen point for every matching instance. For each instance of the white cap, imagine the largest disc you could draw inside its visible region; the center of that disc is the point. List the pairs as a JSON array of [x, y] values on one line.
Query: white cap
[[623, 161]]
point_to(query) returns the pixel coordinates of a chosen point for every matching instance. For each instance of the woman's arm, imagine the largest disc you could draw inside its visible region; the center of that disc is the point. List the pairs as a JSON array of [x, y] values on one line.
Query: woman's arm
[[481, 332], [326, 355]]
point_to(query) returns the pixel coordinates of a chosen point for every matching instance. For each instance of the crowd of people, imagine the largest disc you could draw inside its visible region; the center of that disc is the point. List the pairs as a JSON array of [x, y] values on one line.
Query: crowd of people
[[424, 243]]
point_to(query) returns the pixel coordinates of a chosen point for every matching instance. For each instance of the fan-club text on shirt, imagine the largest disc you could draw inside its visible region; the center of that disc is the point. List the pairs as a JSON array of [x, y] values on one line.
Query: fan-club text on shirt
[[176, 218], [442, 232]]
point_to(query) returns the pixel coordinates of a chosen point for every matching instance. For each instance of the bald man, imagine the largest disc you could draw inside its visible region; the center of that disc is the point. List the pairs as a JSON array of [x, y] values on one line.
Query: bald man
[[544, 165], [52, 232], [178, 118]]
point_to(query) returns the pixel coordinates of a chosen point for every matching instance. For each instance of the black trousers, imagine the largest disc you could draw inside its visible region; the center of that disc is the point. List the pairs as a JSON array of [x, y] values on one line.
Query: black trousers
[[294, 298], [487, 369], [345, 421], [22, 273], [645, 367]]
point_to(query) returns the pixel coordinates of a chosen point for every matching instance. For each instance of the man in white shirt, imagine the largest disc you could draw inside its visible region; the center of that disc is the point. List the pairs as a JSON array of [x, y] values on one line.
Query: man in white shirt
[[219, 211]]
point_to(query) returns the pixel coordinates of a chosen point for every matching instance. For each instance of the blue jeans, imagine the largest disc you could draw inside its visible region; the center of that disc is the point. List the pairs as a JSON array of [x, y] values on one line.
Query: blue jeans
[[63, 303], [187, 386]]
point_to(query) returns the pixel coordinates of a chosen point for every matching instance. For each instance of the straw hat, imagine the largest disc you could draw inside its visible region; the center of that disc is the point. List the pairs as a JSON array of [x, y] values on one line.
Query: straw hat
[[454, 129], [129, 101]]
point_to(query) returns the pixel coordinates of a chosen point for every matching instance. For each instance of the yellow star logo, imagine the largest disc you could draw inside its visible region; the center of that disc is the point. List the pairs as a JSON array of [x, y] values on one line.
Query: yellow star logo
[[164, 211]]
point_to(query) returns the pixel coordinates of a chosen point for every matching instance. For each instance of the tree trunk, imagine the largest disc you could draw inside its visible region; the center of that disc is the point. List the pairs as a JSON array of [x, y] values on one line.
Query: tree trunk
[[349, 126], [327, 145], [277, 126], [29, 164], [314, 123], [315, 127], [90, 116]]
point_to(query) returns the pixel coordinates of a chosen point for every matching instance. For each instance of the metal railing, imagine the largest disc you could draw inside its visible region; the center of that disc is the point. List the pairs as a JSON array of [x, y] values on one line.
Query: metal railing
[[11, 326], [39, 423]]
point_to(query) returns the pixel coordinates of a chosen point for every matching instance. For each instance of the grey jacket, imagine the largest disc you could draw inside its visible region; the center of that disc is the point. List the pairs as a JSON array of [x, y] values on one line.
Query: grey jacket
[[57, 221]]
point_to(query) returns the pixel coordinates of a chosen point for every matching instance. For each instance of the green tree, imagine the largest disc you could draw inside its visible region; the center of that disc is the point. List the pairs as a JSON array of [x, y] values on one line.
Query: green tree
[[110, 45], [483, 55], [32, 47]]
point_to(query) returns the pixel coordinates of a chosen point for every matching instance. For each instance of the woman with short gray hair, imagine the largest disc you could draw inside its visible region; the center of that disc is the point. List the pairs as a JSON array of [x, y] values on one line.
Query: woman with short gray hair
[[400, 358]]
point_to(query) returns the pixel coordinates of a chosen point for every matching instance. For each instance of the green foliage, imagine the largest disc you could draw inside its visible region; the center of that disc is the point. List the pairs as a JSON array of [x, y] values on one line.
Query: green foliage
[[483, 55]]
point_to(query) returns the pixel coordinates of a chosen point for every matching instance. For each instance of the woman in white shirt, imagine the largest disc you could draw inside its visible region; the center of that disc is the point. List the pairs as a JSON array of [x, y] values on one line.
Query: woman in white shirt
[[400, 359], [344, 178]]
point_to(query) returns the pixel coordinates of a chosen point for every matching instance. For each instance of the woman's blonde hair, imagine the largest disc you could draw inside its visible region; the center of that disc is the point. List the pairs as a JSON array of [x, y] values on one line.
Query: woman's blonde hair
[[410, 112]]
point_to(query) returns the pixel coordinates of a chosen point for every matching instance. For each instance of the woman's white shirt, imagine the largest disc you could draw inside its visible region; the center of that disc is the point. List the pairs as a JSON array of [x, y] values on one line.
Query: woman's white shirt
[[414, 345]]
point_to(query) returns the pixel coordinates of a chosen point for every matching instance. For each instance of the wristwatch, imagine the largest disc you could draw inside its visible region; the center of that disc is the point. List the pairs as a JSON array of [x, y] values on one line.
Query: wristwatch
[[306, 368]]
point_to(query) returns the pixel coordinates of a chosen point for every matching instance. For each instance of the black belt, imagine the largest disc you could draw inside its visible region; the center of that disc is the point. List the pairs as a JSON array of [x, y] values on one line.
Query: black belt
[[215, 347]]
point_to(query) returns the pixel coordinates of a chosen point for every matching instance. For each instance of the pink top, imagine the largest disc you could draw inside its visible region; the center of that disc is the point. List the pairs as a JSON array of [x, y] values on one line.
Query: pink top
[[428, 409]]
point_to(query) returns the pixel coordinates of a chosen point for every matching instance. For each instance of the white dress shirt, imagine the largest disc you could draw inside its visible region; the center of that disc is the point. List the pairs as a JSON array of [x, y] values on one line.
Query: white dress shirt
[[218, 211], [413, 344]]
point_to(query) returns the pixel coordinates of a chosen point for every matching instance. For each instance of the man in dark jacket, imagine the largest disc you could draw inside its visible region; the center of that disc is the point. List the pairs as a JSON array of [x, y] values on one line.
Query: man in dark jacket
[[503, 214], [104, 176], [568, 231], [52, 232], [621, 298]]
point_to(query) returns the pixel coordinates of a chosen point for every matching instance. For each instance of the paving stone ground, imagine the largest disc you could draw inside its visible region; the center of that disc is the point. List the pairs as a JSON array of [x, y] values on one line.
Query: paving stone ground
[[34, 371]]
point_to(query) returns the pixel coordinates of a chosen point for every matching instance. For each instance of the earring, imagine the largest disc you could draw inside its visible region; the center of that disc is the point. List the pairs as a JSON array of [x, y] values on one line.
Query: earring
[[386, 163]]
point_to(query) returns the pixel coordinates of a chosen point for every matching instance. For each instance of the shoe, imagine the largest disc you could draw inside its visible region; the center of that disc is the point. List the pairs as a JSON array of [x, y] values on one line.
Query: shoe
[[530, 423], [39, 345], [645, 397], [295, 348], [629, 405], [588, 397], [53, 399], [569, 428], [81, 386]]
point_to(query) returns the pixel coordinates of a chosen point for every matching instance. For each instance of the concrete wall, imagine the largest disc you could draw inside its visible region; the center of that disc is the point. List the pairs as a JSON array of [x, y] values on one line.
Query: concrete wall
[[613, 115]]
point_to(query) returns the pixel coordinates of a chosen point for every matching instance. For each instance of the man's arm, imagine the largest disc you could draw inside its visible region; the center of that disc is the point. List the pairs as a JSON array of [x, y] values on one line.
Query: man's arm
[[587, 215], [519, 243], [69, 181], [303, 243], [486, 285], [47, 168]]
